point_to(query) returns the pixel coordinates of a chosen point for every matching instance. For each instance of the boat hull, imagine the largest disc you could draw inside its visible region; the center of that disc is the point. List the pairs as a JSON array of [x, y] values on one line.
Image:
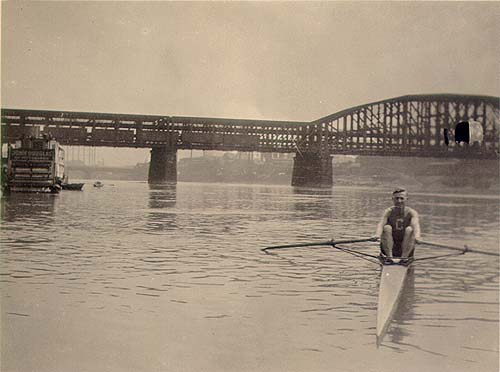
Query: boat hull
[[391, 284], [72, 186]]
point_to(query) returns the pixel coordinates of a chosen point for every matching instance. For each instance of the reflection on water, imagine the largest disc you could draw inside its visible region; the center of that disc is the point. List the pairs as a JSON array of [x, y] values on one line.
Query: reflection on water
[[162, 195], [312, 192], [28, 206], [312, 202], [27, 220], [177, 272], [162, 199]]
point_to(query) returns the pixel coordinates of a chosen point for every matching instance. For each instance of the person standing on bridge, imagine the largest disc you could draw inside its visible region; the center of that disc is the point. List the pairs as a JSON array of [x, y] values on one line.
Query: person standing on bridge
[[398, 229]]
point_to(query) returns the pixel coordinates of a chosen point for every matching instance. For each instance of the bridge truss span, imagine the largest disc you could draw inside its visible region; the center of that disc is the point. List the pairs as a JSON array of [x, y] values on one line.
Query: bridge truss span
[[146, 131], [408, 126]]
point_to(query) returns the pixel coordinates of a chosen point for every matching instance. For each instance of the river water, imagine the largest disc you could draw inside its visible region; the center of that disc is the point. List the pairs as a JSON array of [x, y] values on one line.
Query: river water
[[132, 277]]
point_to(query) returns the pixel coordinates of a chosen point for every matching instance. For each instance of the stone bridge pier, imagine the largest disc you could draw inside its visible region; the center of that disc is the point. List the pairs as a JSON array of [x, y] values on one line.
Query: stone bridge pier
[[163, 165], [312, 169]]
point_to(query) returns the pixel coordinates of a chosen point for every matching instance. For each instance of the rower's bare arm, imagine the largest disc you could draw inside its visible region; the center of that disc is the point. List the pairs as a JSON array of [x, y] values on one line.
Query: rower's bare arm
[[381, 224], [415, 223]]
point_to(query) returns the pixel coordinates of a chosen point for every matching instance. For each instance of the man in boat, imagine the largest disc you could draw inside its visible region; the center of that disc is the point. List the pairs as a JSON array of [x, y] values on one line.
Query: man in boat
[[398, 229]]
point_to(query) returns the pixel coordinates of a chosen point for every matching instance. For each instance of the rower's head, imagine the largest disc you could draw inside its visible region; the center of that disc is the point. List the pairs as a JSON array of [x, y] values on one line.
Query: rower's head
[[399, 197]]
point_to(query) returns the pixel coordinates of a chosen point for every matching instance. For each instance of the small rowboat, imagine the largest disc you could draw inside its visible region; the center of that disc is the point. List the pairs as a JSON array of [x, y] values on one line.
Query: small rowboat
[[392, 281], [72, 186]]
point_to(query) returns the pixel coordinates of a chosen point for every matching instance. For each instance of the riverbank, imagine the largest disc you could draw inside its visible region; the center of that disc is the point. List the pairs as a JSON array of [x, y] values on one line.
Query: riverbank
[[417, 173]]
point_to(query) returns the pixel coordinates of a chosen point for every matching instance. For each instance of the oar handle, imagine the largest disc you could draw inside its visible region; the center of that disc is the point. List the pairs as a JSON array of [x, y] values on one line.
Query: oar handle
[[464, 249]]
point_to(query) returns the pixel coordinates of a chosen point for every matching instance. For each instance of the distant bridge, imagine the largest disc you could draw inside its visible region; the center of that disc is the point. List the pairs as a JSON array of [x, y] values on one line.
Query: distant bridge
[[404, 126], [147, 131]]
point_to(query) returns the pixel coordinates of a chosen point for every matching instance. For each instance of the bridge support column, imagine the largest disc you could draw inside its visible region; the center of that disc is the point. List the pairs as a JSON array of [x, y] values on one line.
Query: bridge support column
[[163, 165], [312, 169]]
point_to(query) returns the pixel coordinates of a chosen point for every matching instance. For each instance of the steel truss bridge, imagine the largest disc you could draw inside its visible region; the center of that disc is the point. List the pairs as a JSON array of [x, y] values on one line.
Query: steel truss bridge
[[404, 126]]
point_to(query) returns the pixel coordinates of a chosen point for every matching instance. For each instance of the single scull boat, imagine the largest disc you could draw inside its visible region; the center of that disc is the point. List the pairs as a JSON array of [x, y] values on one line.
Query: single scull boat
[[392, 280]]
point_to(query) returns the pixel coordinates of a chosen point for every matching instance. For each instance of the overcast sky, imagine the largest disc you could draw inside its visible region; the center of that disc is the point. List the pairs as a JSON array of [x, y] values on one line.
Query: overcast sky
[[257, 60]]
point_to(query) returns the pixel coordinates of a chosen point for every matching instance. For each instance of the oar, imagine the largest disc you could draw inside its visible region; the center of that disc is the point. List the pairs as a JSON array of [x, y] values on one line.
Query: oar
[[328, 242], [465, 249]]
